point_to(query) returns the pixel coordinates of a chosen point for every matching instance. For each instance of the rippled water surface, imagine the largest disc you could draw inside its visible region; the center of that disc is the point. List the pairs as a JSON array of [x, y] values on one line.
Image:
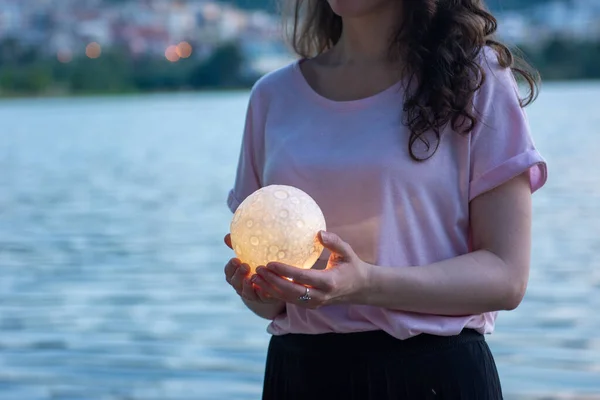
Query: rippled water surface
[[111, 222]]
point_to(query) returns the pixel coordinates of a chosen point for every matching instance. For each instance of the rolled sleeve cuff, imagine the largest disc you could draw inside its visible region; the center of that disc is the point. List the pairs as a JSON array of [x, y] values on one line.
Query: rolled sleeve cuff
[[530, 161]]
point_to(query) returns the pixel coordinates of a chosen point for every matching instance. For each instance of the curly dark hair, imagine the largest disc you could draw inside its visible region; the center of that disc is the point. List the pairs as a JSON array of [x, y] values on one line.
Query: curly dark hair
[[440, 42]]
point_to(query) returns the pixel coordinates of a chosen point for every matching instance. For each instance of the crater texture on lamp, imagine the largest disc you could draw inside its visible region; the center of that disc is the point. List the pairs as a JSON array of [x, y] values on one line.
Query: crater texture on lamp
[[277, 223]]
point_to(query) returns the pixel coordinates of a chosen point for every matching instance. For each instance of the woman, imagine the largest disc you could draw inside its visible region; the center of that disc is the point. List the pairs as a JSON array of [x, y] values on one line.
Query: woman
[[402, 120]]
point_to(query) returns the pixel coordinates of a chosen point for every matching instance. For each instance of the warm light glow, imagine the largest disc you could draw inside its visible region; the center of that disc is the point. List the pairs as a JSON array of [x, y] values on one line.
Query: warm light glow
[[277, 223], [64, 56], [184, 50], [171, 54], [93, 50]]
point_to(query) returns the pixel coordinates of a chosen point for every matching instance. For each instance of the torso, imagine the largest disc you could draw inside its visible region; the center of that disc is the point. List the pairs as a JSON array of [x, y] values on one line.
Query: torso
[[344, 143], [351, 157]]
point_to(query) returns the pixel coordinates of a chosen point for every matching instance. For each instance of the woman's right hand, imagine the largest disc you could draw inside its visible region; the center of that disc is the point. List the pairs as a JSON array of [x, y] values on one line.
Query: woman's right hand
[[238, 276]]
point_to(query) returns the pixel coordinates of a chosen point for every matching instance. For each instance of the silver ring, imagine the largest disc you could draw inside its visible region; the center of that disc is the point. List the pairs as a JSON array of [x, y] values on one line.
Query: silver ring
[[306, 296]]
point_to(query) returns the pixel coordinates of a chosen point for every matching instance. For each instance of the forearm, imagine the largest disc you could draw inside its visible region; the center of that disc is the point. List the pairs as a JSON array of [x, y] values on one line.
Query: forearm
[[474, 283], [265, 310]]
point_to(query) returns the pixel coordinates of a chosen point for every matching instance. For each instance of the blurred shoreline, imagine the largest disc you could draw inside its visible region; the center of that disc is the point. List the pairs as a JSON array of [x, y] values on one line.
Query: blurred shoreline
[[124, 93], [207, 90]]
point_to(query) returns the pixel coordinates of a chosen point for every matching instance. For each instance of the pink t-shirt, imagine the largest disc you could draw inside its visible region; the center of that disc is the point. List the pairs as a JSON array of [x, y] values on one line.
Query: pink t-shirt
[[352, 158]]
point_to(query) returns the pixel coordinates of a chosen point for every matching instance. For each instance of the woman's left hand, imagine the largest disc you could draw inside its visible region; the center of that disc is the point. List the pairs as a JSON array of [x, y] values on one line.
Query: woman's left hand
[[343, 281]]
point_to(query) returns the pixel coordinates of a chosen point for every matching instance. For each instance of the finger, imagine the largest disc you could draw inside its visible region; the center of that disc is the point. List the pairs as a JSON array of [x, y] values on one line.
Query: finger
[[333, 242], [262, 295], [261, 286], [238, 278], [248, 291], [265, 290], [228, 241], [314, 278], [230, 268], [290, 291]]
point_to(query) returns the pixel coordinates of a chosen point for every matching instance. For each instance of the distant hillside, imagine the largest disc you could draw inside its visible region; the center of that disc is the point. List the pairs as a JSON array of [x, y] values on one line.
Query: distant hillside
[[493, 4]]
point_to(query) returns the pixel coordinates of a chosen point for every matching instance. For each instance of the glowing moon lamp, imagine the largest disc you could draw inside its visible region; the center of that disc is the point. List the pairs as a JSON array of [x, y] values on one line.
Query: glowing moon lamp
[[277, 223]]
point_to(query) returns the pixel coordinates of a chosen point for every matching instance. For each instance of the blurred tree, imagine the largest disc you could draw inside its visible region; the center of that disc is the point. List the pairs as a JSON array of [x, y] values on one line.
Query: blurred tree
[[32, 80], [112, 72], [219, 70], [8, 77], [559, 59], [12, 52], [591, 62], [37, 79]]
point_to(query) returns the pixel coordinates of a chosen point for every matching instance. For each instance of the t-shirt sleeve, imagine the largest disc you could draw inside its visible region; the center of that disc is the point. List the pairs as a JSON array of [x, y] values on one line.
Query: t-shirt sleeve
[[501, 145], [248, 175]]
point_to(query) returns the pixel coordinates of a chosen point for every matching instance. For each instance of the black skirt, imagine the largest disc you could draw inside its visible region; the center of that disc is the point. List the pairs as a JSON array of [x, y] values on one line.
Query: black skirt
[[377, 366]]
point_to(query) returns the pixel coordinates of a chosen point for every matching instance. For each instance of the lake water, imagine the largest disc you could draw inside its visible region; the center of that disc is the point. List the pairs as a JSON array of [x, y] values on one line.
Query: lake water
[[112, 214]]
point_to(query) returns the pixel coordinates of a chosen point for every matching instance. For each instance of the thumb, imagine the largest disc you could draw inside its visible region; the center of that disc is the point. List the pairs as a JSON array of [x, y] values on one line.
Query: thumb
[[227, 240], [335, 244]]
